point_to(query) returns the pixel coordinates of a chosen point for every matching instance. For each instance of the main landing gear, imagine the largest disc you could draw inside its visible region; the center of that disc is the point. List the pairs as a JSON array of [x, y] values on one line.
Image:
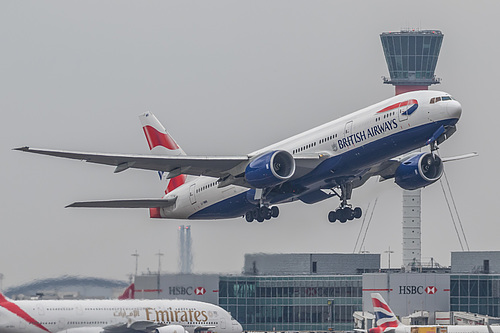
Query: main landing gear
[[262, 213], [345, 212]]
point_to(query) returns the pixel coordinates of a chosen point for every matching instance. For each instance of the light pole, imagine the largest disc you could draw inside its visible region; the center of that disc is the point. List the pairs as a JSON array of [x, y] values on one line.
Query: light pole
[[389, 256]]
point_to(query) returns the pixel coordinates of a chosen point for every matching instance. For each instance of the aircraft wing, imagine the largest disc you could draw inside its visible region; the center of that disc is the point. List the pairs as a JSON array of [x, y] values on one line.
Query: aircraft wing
[[136, 326], [204, 328], [214, 166], [387, 169]]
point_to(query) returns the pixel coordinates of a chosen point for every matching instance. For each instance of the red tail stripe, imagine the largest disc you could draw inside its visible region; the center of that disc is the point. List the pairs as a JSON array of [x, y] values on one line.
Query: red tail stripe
[[19, 312], [156, 138], [154, 213], [129, 293], [379, 304], [175, 183]]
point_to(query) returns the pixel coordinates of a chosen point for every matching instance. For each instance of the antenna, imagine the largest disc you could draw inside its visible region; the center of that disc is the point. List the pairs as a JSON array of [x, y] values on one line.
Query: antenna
[[159, 254], [136, 255]]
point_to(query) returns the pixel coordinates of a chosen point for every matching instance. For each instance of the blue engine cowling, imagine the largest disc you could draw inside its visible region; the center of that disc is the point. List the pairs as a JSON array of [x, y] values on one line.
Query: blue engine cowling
[[270, 169], [419, 171]]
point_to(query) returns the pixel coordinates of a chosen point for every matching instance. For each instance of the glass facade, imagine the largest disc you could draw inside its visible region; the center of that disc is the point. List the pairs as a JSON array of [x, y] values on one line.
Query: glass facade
[[286, 303], [475, 293], [412, 56]]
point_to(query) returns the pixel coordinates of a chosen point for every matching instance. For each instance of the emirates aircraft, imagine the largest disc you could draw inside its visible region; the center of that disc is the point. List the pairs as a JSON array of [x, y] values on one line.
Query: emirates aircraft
[[324, 162], [114, 316], [388, 322]]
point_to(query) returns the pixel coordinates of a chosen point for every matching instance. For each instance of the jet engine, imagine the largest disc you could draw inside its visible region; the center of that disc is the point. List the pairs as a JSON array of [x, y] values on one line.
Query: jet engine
[[270, 169], [171, 329], [419, 171]]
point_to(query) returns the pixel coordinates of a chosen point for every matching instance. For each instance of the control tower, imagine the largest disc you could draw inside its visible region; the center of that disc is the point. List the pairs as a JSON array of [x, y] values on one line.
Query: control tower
[[411, 57]]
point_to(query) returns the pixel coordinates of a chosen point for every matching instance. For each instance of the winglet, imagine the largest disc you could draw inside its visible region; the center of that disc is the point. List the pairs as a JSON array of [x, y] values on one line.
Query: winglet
[[25, 148]]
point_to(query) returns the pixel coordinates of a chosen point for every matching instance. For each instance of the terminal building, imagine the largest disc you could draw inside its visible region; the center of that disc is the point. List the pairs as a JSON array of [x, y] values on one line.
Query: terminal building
[[321, 292]]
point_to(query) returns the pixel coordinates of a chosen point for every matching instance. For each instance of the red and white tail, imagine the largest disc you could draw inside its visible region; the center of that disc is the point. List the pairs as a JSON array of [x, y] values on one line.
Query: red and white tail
[[161, 143], [128, 293], [386, 319]]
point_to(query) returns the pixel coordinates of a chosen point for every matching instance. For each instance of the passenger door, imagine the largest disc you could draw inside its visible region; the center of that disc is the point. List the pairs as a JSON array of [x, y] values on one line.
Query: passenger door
[[192, 194], [402, 111]]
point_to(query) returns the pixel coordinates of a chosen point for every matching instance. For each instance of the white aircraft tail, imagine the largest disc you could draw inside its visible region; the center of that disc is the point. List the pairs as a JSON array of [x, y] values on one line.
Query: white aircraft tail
[[386, 319], [161, 143]]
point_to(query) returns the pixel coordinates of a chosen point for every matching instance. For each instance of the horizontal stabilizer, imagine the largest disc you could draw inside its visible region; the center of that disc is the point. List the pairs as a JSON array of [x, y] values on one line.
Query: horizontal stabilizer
[[131, 203]]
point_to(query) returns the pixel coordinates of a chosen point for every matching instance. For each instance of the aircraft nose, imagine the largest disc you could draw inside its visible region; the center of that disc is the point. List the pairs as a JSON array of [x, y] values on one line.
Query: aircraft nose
[[454, 109]]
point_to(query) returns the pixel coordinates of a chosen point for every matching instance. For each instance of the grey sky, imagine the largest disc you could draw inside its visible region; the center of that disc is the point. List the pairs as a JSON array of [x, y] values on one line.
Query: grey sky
[[224, 77]]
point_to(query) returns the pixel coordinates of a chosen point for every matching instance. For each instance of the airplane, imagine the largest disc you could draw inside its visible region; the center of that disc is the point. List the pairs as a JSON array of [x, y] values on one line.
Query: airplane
[[388, 322], [324, 162], [114, 316]]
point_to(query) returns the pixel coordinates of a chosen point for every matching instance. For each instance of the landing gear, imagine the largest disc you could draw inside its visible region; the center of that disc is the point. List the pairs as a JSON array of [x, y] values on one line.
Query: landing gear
[[345, 213], [262, 213]]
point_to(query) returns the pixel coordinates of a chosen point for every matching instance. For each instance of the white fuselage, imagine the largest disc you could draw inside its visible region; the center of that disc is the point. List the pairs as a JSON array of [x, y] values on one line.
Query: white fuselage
[[367, 126], [446, 329], [58, 316]]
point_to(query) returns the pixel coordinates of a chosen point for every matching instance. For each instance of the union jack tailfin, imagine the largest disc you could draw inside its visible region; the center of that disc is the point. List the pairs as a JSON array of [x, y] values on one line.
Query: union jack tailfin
[[386, 319]]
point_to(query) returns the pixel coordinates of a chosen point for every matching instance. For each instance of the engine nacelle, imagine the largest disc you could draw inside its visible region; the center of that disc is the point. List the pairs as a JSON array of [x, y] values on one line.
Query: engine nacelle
[[270, 169], [419, 171], [171, 329]]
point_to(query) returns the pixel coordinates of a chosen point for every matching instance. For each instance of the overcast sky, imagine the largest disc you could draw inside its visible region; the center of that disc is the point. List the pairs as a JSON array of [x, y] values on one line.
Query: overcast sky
[[224, 77]]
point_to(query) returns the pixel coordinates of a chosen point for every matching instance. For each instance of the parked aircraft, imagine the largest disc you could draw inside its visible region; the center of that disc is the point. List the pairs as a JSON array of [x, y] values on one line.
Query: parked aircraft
[[388, 322], [114, 316], [327, 161]]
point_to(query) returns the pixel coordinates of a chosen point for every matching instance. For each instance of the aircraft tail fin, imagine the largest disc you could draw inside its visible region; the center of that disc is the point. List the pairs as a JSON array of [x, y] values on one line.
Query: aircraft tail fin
[[128, 293], [160, 142], [386, 319]]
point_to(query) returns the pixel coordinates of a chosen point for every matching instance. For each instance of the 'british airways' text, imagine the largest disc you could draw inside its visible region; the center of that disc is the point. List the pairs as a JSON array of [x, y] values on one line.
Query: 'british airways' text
[[366, 134]]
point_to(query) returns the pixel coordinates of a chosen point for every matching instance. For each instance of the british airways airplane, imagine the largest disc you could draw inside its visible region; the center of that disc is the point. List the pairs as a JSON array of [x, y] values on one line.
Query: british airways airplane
[[388, 322], [327, 161], [114, 316]]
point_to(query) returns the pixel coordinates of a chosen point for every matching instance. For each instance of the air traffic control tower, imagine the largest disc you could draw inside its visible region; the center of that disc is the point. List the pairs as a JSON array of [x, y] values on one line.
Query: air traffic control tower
[[411, 57]]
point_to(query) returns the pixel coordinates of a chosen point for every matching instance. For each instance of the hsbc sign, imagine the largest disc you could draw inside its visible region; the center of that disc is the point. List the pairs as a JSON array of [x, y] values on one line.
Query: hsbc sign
[[200, 291], [417, 290], [179, 291]]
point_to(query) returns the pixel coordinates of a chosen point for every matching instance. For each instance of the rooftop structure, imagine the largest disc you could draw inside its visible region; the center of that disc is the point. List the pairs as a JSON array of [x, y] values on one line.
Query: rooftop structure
[[411, 57]]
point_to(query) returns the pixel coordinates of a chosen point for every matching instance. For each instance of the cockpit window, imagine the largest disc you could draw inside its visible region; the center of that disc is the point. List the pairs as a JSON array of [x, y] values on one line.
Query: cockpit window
[[438, 99]]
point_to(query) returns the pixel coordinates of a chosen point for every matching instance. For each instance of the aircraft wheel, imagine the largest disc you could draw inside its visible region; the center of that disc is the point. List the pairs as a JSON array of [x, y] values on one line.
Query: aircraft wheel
[[249, 216], [358, 212], [342, 215], [265, 212], [332, 216], [349, 213], [275, 211], [259, 216]]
